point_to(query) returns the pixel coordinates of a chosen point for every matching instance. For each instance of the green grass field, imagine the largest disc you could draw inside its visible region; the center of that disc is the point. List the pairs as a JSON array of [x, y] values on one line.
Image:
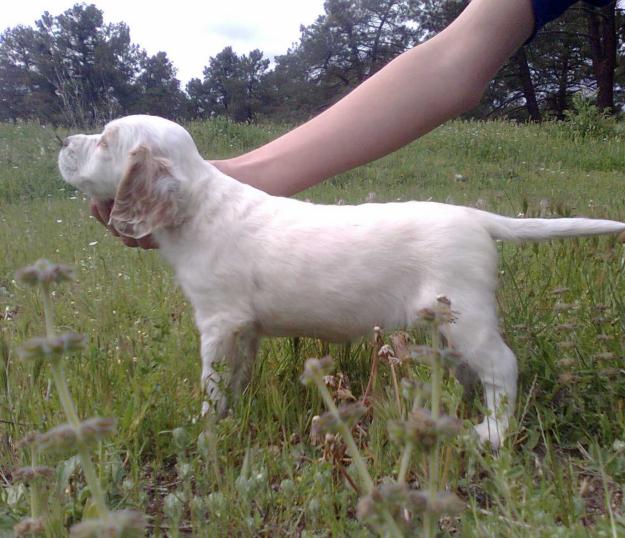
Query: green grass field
[[561, 471]]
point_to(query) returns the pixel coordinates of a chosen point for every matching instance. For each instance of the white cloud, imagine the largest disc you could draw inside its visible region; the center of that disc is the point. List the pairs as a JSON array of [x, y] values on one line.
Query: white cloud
[[191, 32]]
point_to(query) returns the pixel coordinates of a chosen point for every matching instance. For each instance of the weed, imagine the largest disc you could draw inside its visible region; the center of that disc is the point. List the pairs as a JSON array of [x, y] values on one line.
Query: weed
[[140, 362], [74, 435]]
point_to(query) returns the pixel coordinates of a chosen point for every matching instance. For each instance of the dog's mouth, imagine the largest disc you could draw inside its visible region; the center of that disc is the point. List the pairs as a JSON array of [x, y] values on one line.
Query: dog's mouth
[[68, 165]]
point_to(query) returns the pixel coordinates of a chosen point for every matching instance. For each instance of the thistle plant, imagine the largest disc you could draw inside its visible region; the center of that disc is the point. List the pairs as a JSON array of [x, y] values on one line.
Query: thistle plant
[[390, 507], [75, 434]]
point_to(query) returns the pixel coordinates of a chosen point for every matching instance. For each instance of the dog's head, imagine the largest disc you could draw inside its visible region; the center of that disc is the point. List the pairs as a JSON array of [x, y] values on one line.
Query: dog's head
[[139, 161]]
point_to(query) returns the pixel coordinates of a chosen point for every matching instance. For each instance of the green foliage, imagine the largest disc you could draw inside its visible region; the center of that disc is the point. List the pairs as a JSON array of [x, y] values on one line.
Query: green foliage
[[343, 47], [73, 69], [232, 87], [256, 472], [586, 120], [28, 163]]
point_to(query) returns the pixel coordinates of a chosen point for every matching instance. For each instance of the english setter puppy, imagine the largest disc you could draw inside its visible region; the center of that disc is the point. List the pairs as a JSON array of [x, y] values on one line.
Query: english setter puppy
[[257, 265]]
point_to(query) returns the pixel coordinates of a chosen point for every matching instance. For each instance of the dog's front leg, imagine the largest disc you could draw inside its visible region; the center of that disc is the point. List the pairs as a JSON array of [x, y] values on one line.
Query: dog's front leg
[[216, 349], [243, 361]]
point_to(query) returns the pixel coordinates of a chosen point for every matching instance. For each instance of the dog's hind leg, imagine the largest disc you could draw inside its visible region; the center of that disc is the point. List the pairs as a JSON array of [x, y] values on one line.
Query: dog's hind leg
[[474, 334], [246, 348]]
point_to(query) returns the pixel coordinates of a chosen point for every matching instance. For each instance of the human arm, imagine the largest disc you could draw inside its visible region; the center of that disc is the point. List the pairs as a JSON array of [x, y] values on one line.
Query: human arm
[[413, 94], [417, 91]]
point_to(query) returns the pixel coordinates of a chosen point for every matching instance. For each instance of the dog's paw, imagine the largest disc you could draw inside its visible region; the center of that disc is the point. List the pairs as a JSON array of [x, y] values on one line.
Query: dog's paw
[[216, 404], [490, 433], [217, 409]]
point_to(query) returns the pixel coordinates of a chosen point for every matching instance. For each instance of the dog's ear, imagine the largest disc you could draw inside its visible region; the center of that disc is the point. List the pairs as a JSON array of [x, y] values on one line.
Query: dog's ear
[[147, 196]]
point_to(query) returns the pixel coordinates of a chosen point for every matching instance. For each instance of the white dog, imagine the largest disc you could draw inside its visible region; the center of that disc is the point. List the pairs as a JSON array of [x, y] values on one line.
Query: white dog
[[257, 265]]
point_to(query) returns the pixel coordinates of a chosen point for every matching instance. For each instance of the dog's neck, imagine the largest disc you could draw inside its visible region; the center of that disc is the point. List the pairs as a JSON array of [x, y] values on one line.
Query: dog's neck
[[211, 200]]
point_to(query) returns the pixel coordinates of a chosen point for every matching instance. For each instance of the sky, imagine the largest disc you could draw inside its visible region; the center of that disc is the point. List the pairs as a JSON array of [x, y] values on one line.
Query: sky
[[190, 32]]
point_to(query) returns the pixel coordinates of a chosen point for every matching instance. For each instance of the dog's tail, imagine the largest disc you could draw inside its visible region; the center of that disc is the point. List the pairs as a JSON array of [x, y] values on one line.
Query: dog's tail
[[522, 229]]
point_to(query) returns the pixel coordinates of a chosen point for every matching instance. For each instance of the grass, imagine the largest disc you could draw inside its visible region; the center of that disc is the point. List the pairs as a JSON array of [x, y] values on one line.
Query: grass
[[257, 473]]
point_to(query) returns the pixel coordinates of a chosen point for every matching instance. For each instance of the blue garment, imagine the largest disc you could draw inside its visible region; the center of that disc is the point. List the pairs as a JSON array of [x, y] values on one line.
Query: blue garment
[[547, 10]]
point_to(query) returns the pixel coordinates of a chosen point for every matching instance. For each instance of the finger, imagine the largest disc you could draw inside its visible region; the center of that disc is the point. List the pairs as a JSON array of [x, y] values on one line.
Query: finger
[[147, 242], [128, 241], [93, 206], [103, 209]]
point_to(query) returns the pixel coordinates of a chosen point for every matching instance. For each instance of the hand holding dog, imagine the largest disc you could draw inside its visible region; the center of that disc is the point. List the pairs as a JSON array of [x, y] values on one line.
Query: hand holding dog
[[101, 210]]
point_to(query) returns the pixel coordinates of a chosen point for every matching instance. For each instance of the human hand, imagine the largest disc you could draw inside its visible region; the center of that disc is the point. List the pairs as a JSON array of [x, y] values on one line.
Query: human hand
[[101, 210]]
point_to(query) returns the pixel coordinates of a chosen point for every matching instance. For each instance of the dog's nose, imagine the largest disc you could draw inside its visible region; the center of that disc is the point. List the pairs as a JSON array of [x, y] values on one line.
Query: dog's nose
[[66, 141]]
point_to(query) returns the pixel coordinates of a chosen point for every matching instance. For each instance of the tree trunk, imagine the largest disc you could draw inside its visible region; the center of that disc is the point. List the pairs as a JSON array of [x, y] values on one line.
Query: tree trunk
[[602, 37], [525, 78], [561, 101]]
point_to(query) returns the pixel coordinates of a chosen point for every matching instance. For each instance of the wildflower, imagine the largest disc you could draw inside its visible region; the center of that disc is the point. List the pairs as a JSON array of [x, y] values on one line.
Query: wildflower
[[387, 354], [559, 291], [315, 369], [28, 527], [566, 378], [29, 439], [62, 437], [97, 428], [390, 493], [315, 431], [348, 414], [566, 362], [65, 436], [440, 313], [28, 474], [119, 523], [400, 344], [604, 356], [392, 496], [564, 307], [51, 348], [366, 508], [45, 272], [329, 381], [445, 503], [344, 394], [421, 429]]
